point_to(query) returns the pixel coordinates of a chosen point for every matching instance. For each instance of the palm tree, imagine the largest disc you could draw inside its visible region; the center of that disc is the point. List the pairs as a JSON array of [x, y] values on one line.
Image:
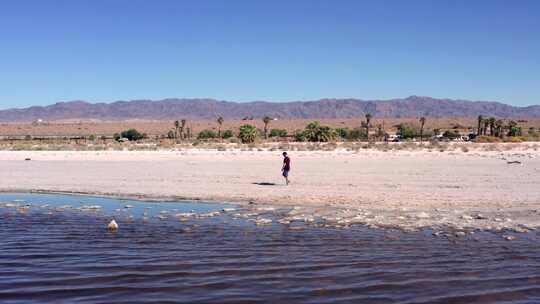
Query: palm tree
[[220, 123], [422, 123], [486, 124], [314, 132], [480, 120], [499, 127], [182, 126], [368, 121], [266, 121], [491, 121], [248, 134], [176, 127]]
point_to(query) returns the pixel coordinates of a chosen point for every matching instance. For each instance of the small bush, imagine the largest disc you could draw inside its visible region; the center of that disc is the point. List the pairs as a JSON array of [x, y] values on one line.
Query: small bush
[[357, 134], [131, 135], [342, 132], [278, 133], [227, 134], [206, 134], [407, 131]]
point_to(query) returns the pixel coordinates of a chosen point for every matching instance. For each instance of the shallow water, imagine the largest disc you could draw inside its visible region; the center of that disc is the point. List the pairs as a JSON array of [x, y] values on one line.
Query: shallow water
[[57, 254]]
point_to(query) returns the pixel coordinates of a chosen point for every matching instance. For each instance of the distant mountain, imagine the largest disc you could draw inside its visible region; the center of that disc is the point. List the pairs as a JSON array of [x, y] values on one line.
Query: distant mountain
[[174, 108]]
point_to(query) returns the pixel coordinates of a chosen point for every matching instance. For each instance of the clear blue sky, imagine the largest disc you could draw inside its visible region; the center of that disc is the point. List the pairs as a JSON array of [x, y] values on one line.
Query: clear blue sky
[[111, 50]]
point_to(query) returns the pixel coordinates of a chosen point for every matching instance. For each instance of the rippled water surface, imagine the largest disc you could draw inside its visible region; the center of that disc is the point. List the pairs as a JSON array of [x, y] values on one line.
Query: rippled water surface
[[56, 249]]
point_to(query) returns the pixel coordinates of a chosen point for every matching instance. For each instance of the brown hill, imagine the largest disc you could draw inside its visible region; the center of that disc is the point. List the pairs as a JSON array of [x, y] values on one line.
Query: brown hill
[[167, 109]]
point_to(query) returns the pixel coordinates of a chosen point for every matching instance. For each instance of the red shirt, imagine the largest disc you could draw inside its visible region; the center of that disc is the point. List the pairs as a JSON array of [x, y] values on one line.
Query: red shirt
[[287, 162]]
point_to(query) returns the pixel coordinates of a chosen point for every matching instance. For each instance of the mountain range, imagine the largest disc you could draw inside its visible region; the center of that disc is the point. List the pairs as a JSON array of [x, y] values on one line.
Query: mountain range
[[174, 108]]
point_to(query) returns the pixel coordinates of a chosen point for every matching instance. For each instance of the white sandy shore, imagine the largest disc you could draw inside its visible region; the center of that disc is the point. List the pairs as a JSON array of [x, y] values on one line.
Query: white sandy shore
[[406, 189]]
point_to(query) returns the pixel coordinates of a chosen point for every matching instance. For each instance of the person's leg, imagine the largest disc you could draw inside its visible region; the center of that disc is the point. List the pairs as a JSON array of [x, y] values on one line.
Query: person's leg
[[286, 175]]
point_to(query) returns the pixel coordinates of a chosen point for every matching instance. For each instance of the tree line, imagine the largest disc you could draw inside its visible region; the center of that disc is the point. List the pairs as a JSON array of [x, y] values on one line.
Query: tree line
[[316, 132]]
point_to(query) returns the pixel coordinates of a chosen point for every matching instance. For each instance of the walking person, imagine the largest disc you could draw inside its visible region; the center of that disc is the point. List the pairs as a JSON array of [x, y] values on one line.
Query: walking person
[[286, 167]]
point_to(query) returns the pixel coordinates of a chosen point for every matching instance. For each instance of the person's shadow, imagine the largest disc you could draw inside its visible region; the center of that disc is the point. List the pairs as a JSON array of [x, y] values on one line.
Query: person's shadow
[[265, 184]]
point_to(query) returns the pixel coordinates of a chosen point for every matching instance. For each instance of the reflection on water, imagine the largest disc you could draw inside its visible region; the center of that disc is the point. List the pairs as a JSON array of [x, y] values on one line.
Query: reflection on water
[[57, 254]]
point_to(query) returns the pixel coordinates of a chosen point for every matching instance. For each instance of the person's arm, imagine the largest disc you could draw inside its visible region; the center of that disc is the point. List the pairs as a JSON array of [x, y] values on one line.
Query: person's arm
[[283, 167]]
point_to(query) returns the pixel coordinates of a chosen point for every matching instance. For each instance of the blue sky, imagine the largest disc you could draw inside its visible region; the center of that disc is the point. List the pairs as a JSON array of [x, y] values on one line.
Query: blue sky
[[111, 50]]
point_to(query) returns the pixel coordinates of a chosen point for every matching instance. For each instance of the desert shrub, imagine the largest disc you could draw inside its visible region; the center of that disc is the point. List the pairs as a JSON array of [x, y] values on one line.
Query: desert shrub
[[514, 131], [515, 139], [342, 132], [357, 134], [407, 131], [206, 134], [248, 134], [227, 134], [92, 137], [299, 135], [278, 133], [171, 135]]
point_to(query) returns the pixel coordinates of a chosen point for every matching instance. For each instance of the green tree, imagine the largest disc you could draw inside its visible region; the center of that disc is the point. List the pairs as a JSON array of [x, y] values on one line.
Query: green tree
[[513, 129], [131, 135], [266, 121], [248, 134], [407, 131]]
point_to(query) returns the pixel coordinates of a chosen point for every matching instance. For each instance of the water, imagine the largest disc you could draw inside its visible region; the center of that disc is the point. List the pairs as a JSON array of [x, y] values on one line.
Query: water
[[56, 254]]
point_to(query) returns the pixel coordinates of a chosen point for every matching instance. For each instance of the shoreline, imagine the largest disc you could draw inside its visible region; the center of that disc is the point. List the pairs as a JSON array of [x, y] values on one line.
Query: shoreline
[[404, 189]]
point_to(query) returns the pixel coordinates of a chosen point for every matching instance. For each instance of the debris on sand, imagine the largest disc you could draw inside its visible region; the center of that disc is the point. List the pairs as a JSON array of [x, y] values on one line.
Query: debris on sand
[[422, 215], [113, 226], [514, 162]]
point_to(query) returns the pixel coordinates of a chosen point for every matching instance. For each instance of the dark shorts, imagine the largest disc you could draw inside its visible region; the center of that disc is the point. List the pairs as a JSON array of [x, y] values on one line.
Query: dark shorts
[[285, 173]]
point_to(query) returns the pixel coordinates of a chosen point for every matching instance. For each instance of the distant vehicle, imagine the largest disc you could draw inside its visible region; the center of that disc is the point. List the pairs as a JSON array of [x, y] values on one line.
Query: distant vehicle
[[394, 138]]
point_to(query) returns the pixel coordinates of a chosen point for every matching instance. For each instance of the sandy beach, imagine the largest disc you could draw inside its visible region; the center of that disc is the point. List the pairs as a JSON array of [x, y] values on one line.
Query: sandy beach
[[407, 189]]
